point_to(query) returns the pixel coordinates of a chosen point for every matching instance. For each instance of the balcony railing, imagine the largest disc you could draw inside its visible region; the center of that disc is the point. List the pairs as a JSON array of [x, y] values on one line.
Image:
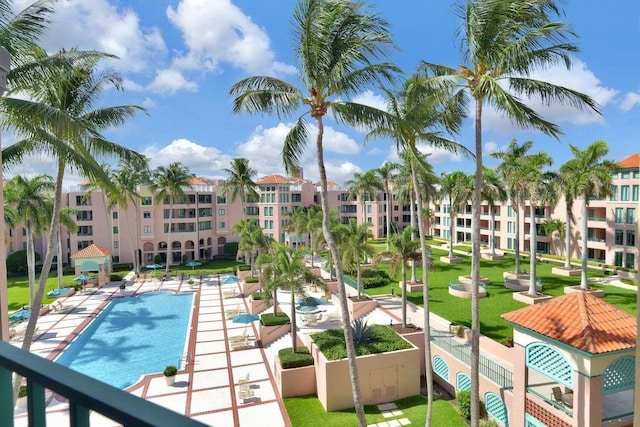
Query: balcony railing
[[84, 394]]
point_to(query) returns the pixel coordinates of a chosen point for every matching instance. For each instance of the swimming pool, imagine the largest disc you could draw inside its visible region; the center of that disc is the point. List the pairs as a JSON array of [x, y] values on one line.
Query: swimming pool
[[132, 337]]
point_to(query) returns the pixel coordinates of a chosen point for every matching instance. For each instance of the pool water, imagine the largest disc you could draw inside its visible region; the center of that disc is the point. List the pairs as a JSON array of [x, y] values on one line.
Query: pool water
[[132, 337]]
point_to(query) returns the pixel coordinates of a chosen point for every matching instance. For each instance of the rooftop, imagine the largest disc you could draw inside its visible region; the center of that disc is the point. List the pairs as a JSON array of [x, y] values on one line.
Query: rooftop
[[91, 251], [633, 161]]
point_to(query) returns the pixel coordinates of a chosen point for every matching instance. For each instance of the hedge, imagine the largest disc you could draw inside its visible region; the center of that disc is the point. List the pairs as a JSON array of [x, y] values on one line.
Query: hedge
[[289, 359], [331, 342], [269, 319]]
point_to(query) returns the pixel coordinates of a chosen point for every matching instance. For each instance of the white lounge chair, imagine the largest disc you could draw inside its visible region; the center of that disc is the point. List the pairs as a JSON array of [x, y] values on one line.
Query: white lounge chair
[[229, 294], [58, 308], [245, 393], [242, 337]]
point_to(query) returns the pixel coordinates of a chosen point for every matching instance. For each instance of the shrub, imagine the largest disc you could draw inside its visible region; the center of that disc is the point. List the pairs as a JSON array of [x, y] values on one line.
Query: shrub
[[157, 259], [485, 422], [331, 342], [170, 371], [289, 359], [231, 248], [244, 267], [362, 333], [373, 278], [23, 391], [17, 261], [269, 319], [122, 267], [251, 279], [115, 277], [464, 403], [257, 296]]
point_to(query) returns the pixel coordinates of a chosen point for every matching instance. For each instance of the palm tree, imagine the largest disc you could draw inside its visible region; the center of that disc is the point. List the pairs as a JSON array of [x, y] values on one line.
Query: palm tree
[[386, 174], [307, 221], [493, 192], [590, 176], [240, 181], [355, 248], [364, 186], [504, 41], [564, 188], [338, 45], [168, 184], [67, 220], [551, 226], [509, 169], [30, 198], [457, 187], [109, 195], [58, 119], [540, 189]]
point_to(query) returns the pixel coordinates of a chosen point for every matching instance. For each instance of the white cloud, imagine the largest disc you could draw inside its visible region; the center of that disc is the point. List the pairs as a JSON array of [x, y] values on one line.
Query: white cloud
[[490, 147], [436, 155], [199, 159], [579, 78], [168, 82], [219, 31], [631, 99], [101, 25], [338, 171], [371, 99]]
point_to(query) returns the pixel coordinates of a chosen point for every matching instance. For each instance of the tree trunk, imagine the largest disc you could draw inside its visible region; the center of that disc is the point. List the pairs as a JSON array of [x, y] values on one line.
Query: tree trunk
[[584, 232], [451, 218], [388, 216], [567, 225], [333, 248], [414, 277], [359, 277], [59, 261], [533, 241], [517, 238], [294, 326], [31, 260], [492, 244], [404, 293], [137, 236], [169, 244], [475, 273], [425, 300]]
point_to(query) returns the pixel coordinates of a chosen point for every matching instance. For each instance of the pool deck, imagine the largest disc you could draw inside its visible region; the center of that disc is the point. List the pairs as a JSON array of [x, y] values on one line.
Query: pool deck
[[207, 385]]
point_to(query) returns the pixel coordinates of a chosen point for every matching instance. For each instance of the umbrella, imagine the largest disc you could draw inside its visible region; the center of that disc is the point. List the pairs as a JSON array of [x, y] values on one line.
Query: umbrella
[[154, 266], [310, 301], [230, 279], [22, 314], [82, 278], [193, 264], [245, 318]]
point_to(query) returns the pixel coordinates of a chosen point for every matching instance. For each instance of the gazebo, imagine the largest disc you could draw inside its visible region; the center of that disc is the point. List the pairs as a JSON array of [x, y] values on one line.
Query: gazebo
[[93, 258], [575, 363]]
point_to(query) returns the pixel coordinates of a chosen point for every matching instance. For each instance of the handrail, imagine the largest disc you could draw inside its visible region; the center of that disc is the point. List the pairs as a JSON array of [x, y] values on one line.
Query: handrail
[[84, 394]]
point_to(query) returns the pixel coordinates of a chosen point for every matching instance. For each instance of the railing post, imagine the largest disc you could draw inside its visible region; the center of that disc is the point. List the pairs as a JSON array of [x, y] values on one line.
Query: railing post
[[6, 397], [35, 404], [78, 415]]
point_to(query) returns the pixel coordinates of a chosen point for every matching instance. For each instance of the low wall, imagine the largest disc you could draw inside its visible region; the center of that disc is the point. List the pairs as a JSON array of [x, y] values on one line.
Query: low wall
[[358, 309], [520, 285], [295, 381], [269, 334], [248, 288], [464, 291], [258, 305]]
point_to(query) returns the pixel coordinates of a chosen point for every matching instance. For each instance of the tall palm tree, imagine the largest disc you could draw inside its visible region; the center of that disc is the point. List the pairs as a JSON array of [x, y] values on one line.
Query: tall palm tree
[[564, 187], [338, 45], [591, 176], [355, 248], [509, 169], [67, 220], [30, 198], [457, 187], [540, 190], [504, 41], [240, 181], [109, 195], [493, 191], [168, 184], [364, 186], [386, 172], [59, 119], [307, 222], [552, 226]]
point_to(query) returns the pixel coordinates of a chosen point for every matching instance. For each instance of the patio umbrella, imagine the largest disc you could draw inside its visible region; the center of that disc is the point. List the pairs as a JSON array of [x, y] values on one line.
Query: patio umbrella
[[193, 264], [245, 318], [154, 267], [22, 314], [82, 278], [310, 301], [230, 279]]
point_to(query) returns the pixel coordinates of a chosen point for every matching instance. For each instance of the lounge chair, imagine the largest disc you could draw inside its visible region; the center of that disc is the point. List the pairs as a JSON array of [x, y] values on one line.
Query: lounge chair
[[229, 294], [245, 393], [58, 308], [242, 337], [244, 381], [564, 399], [239, 344]]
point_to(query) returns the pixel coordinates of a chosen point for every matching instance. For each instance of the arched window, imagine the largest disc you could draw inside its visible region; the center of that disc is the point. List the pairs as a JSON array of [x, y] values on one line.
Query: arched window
[[463, 382], [496, 408], [441, 368], [549, 362]]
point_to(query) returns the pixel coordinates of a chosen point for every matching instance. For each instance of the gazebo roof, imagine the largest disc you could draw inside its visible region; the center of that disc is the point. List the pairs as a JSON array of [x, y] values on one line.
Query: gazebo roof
[[91, 251], [580, 320]]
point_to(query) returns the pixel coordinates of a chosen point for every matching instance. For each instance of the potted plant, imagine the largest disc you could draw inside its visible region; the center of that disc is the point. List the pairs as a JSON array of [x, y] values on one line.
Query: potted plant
[[122, 287], [170, 373], [190, 282], [21, 403]]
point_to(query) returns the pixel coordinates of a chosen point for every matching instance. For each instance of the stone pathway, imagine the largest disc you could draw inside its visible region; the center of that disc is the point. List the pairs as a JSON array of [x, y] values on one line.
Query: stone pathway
[[392, 413]]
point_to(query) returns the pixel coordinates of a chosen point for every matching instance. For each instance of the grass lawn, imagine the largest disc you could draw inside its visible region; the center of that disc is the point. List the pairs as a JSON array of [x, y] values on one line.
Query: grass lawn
[[499, 299], [307, 411], [18, 287]]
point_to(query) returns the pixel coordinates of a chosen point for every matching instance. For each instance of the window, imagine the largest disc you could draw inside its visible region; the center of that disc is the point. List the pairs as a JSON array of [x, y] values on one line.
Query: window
[[368, 209], [614, 193], [221, 200], [626, 175], [83, 200], [146, 229], [205, 212], [630, 260], [221, 212], [146, 214], [617, 259], [204, 225], [221, 225], [147, 201], [84, 216], [619, 237], [116, 244], [636, 174], [624, 193], [252, 210], [614, 175], [85, 230], [634, 193], [204, 198], [631, 238], [115, 229], [510, 211], [619, 215], [296, 197], [631, 215], [114, 215]]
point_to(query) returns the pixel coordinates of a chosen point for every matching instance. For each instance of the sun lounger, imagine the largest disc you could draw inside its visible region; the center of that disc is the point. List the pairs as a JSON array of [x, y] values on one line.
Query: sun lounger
[[245, 394], [240, 344], [58, 308], [229, 294], [233, 312], [242, 337], [244, 381]]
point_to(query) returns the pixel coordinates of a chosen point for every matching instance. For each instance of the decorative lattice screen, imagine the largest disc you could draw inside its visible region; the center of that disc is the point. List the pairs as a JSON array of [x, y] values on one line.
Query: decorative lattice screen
[[550, 362], [619, 375], [441, 368]]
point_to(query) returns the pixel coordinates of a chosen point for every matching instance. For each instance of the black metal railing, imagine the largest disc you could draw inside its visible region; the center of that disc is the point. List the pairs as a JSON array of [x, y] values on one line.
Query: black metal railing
[[83, 393]]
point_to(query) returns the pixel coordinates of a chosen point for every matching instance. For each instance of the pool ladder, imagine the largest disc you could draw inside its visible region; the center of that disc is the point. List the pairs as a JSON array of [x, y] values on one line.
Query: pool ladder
[[188, 359]]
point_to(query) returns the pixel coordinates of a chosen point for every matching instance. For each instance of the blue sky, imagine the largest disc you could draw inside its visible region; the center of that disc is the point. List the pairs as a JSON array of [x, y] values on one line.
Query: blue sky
[[179, 59]]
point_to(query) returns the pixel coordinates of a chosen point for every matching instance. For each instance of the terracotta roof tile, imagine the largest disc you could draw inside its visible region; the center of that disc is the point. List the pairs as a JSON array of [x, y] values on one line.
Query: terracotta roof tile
[[580, 320], [91, 251], [273, 179], [633, 161], [197, 181]]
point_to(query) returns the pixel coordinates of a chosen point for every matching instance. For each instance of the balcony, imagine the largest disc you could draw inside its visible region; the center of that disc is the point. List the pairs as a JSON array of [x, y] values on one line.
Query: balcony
[[83, 393]]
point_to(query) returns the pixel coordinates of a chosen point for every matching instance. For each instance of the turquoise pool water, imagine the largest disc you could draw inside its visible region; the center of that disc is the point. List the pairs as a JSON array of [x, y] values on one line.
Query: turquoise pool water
[[132, 337]]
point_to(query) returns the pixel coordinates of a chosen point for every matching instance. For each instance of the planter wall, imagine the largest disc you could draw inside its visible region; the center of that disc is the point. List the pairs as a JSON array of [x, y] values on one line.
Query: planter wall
[[269, 334], [257, 306], [411, 286], [296, 381], [384, 377], [417, 339], [358, 309], [243, 274], [249, 288]]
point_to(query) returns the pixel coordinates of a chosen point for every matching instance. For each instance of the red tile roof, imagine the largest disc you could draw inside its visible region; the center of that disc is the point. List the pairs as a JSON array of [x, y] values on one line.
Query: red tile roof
[[580, 320], [633, 161], [91, 251], [197, 181], [273, 179]]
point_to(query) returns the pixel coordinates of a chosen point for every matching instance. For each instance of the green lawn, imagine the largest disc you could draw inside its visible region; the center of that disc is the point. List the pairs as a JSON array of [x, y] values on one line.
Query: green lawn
[[307, 411], [499, 299]]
